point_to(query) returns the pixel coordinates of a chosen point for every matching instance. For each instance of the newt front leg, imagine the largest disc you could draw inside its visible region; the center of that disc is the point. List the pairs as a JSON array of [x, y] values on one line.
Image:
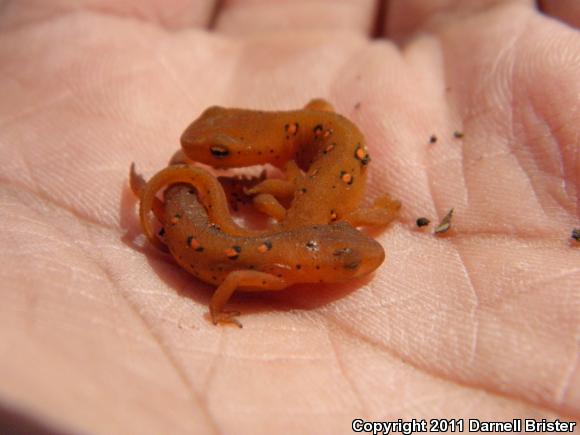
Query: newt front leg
[[242, 280]]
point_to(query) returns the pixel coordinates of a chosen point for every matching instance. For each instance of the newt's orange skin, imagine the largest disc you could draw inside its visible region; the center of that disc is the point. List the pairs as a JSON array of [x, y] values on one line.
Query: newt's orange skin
[[327, 146], [246, 261]]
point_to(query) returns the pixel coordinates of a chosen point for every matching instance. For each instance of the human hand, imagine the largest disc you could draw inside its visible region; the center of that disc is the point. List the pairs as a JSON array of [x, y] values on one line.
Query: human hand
[[100, 333]]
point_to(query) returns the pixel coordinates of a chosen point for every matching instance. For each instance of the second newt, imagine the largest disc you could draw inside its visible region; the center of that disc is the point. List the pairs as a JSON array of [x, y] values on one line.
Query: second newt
[[328, 147]]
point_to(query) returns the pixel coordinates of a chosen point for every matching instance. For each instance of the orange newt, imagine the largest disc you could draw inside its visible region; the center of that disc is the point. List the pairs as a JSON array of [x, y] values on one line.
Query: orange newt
[[204, 240], [328, 147]]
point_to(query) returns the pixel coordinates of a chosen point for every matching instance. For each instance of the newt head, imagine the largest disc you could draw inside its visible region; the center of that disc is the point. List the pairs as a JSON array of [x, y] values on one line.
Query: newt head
[[351, 253], [334, 253], [226, 138]]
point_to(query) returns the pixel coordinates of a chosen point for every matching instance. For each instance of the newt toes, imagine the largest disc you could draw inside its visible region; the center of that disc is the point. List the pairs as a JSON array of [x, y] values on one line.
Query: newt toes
[[246, 262], [328, 147]]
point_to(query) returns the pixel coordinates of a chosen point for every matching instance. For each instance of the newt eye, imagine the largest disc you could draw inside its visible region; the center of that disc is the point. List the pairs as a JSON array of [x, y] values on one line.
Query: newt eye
[[352, 266], [312, 245], [219, 151], [342, 251]]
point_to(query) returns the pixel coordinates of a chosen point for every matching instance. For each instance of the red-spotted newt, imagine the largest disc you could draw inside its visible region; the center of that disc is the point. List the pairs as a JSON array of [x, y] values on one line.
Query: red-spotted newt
[[204, 240], [328, 147]]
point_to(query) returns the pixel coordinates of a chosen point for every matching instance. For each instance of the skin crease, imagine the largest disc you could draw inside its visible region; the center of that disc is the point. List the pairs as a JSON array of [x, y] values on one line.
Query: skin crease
[[482, 322]]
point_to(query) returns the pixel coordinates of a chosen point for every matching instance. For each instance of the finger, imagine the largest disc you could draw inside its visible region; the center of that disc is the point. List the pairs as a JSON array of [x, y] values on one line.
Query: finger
[[281, 16], [405, 18], [565, 10], [173, 14]]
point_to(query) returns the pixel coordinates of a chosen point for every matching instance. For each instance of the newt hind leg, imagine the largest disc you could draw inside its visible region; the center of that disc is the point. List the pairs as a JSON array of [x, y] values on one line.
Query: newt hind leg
[[268, 191], [384, 210], [269, 205], [280, 188]]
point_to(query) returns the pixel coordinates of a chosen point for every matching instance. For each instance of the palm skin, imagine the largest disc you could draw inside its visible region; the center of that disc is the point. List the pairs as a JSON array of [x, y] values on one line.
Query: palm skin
[[101, 333]]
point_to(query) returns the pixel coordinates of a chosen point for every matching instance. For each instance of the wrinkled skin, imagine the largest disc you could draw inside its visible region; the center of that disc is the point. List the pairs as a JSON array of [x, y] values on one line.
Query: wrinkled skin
[[101, 333]]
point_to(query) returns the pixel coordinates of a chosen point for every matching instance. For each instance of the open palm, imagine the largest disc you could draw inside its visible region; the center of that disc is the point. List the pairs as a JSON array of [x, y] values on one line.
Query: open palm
[[99, 332]]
